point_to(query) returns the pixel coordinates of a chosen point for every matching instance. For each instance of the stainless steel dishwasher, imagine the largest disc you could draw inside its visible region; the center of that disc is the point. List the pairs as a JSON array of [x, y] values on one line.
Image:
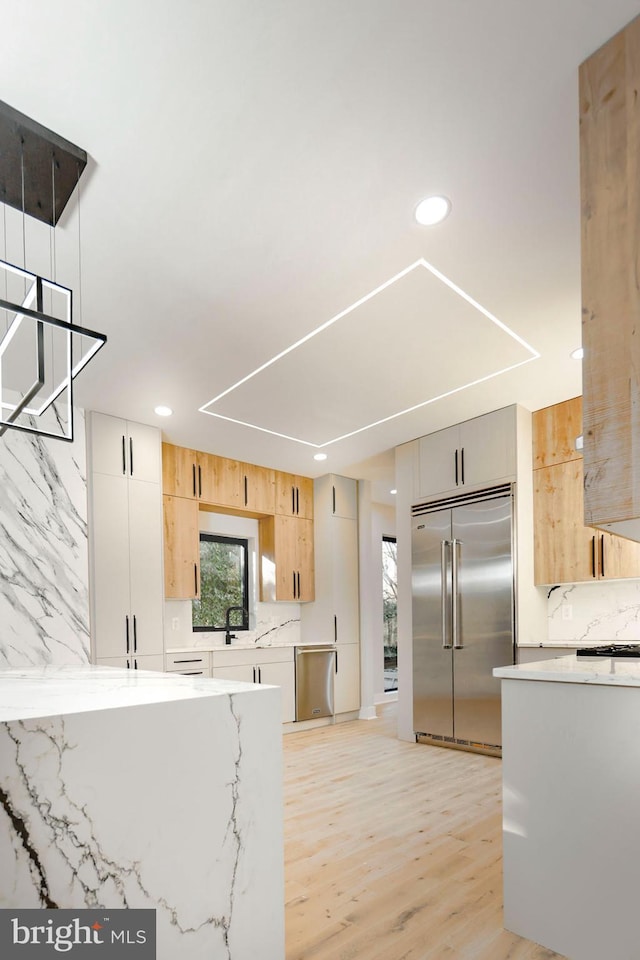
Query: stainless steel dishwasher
[[315, 669]]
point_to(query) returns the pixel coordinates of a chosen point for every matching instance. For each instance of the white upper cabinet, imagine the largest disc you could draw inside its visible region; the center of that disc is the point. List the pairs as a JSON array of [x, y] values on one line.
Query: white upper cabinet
[[124, 449], [468, 455], [125, 538], [334, 616], [344, 498]]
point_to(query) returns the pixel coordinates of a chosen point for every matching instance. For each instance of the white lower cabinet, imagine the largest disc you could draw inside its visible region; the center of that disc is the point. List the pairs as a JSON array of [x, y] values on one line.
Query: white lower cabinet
[[273, 666], [347, 678], [190, 663], [154, 662]]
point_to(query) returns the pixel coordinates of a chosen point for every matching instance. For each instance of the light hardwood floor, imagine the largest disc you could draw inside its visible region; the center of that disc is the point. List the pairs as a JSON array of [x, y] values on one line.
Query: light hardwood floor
[[393, 849]]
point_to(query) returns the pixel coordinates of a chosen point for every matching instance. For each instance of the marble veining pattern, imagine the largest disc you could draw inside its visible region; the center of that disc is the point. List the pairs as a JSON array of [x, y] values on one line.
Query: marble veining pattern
[[603, 671], [44, 606], [276, 625], [605, 611], [130, 807]]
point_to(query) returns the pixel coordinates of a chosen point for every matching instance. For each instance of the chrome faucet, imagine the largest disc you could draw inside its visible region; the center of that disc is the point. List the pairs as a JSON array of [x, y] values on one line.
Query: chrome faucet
[[227, 620]]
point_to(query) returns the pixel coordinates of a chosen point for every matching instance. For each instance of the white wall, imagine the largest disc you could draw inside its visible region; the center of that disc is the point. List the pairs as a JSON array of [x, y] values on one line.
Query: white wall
[[374, 520], [44, 594], [404, 485]]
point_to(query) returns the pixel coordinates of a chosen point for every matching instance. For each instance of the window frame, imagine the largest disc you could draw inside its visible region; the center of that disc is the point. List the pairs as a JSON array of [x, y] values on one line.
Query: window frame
[[235, 541]]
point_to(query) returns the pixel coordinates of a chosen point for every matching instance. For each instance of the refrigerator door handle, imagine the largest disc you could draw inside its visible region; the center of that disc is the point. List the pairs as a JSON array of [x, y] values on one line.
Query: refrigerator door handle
[[444, 571], [455, 620]]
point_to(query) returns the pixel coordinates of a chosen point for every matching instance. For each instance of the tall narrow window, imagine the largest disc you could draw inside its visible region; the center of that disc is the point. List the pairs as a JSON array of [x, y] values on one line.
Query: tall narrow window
[[390, 612], [224, 584]]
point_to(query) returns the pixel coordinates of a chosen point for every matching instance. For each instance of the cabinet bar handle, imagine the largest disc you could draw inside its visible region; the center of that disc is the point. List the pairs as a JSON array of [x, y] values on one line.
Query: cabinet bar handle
[[195, 577], [293, 499], [127, 630], [335, 628], [124, 456], [254, 674], [336, 661], [135, 664], [297, 500], [131, 455], [199, 480], [294, 584], [135, 634], [259, 674], [462, 465], [456, 467], [334, 499], [193, 468], [128, 665], [602, 554], [298, 585], [246, 489], [593, 556], [194, 660]]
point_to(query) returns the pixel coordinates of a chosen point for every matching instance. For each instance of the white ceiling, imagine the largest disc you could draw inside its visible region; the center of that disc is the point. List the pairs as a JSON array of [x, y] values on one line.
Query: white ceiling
[[254, 167]]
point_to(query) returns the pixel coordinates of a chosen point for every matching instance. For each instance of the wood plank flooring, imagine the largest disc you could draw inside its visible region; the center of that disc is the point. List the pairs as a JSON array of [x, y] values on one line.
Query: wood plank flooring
[[393, 849]]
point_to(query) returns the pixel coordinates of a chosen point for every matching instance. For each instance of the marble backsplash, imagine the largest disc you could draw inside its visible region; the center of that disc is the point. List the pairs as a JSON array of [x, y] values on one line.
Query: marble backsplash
[[601, 611], [276, 624], [44, 602]]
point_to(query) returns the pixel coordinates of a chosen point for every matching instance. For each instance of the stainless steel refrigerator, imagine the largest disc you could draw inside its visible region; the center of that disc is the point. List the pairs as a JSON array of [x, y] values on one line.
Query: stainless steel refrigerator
[[463, 615]]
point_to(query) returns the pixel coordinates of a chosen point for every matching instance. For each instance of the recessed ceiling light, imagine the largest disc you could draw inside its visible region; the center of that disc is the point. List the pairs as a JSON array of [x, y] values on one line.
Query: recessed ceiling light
[[577, 354], [432, 210], [319, 456], [393, 492], [163, 411]]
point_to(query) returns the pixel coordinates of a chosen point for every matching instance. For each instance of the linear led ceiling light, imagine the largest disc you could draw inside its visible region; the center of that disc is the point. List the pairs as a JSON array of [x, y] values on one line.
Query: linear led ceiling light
[[532, 354], [41, 349]]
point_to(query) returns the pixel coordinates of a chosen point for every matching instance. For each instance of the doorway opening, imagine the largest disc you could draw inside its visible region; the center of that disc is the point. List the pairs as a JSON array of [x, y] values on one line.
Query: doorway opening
[[390, 612]]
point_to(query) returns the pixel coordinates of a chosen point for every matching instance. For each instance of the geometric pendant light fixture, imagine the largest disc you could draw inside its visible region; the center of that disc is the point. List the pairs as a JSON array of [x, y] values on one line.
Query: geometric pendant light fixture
[[41, 349]]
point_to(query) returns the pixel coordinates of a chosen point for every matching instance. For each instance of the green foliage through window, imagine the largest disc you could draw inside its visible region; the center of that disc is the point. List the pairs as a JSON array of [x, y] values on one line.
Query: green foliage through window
[[224, 583]]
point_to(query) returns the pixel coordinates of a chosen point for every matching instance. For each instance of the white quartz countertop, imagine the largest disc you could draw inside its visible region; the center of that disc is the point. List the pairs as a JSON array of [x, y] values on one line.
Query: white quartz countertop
[[54, 691], [572, 669]]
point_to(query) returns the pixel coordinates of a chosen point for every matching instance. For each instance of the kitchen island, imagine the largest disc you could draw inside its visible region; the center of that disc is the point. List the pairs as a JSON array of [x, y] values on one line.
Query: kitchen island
[[137, 789], [571, 786]]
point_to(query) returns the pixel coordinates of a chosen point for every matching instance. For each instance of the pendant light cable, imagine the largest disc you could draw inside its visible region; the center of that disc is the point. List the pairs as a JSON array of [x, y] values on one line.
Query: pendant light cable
[[24, 218]]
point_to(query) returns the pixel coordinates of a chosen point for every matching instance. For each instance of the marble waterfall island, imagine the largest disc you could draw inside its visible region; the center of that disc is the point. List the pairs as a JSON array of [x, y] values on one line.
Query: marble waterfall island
[[136, 789], [571, 784]]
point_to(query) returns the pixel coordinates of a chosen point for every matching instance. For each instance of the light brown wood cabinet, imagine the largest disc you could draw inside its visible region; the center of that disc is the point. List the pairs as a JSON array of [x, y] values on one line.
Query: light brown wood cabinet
[[179, 471], [181, 548], [200, 476], [218, 480], [283, 502], [610, 235], [567, 551], [286, 559], [555, 430], [258, 488], [294, 495]]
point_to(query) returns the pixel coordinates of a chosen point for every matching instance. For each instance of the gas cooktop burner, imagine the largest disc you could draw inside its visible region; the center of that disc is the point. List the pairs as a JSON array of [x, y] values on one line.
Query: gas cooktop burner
[[611, 650]]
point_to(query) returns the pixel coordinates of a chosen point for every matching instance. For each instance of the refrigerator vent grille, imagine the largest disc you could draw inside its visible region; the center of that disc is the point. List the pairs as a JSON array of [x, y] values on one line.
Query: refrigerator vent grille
[[419, 509]]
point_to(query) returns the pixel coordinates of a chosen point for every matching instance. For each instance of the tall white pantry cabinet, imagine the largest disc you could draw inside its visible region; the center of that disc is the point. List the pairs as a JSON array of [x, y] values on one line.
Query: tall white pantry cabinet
[[334, 616], [125, 543]]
